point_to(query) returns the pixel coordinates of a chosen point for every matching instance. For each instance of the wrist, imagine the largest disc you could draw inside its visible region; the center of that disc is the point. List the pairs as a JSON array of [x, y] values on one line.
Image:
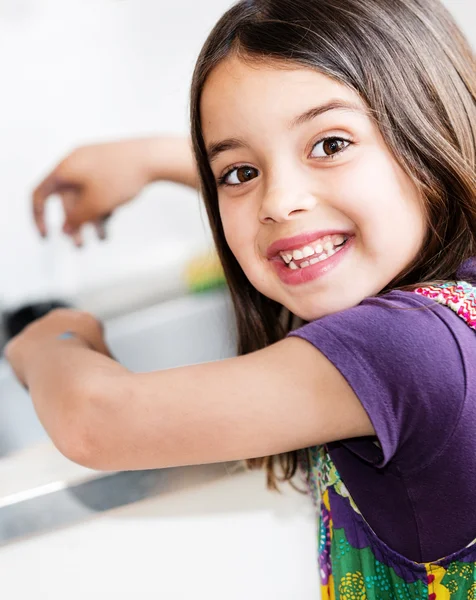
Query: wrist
[[71, 335], [42, 352], [169, 159]]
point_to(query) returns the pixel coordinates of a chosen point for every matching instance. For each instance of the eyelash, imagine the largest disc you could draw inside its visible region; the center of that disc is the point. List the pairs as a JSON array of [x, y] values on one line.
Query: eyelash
[[221, 181]]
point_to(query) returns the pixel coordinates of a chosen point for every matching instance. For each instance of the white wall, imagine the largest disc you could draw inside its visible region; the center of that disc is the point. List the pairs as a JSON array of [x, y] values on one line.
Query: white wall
[[74, 71]]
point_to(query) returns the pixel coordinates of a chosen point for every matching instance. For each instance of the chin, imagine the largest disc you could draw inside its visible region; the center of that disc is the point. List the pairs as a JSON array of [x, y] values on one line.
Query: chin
[[309, 314], [312, 311]]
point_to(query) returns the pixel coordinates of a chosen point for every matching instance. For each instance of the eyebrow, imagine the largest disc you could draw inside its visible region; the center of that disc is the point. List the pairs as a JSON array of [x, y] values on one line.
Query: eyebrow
[[323, 108], [217, 148]]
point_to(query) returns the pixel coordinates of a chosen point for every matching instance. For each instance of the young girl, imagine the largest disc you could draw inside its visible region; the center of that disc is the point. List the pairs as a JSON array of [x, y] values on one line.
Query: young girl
[[335, 142]]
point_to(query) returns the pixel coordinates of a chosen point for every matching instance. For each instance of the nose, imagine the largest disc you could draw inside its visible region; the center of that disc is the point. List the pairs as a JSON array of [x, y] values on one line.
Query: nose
[[284, 203]]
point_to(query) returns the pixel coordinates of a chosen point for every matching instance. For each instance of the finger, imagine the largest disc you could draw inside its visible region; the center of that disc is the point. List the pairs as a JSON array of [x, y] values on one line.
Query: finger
[[7, 351], [77, 238], [40, 195], [80, 208], [69, 199], [100, 226], [88, 327]]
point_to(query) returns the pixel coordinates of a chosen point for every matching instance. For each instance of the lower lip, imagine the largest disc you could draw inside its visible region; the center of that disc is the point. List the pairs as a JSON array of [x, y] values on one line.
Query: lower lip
[[312, 272]]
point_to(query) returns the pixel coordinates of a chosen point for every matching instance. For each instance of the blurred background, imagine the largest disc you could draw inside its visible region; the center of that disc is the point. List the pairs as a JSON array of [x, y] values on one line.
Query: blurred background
[[80, 71]]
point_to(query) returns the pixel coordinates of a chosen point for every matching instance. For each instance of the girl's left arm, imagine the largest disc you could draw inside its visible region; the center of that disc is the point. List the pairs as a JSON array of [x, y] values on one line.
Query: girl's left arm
[[278, 399]]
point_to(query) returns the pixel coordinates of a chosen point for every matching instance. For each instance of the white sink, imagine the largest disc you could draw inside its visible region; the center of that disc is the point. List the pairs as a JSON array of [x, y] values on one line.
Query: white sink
[[209, 531], [188, 330], [57, 493], [192, 329]]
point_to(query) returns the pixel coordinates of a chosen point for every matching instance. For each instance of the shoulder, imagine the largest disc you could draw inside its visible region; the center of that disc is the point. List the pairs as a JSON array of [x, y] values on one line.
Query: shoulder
[[405, 357], [391, 320]]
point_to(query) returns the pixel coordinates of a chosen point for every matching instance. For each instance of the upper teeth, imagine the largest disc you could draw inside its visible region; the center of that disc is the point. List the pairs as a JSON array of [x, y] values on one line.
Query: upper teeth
[[322, 248]]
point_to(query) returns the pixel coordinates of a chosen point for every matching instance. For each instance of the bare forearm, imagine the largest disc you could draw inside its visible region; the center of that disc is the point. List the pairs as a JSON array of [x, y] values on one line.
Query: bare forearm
[[171, 159], [65, 382]]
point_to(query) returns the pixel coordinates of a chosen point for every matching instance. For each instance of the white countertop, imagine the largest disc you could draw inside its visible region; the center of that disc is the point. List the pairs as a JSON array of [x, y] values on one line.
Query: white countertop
[[36, 467], [212, 533], [216, 534]]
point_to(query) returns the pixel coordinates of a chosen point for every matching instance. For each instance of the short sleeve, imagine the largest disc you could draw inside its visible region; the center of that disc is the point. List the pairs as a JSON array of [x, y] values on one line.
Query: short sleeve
[[401, 354]]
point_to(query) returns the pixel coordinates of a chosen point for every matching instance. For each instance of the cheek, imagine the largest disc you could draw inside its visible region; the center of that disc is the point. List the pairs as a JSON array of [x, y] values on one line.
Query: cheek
[[234, 236], [238, 225], [227, 223], [379, 197]]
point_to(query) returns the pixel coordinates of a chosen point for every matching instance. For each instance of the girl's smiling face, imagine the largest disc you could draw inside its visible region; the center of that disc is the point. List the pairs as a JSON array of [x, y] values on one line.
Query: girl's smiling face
[[314, 206]]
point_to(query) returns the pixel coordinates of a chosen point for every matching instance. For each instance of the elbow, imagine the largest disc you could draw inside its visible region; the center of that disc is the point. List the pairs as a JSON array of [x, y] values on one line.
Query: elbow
[[83, 432], [76, 447], [79, 442]]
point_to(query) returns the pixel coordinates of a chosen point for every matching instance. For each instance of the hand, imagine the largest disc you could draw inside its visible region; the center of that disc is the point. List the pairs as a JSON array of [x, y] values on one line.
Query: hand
[[92, 182], [42, 333]]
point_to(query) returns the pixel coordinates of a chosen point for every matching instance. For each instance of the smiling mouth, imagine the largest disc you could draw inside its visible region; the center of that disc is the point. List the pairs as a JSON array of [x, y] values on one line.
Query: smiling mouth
[[314, 252]]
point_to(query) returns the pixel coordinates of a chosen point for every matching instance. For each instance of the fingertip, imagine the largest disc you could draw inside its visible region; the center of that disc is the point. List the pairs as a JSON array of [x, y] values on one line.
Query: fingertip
[[39, 219], [77, 239], [101, 230]]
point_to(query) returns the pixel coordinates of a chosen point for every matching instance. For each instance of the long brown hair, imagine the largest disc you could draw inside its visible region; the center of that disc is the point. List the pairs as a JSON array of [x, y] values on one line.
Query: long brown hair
[[414, 69]]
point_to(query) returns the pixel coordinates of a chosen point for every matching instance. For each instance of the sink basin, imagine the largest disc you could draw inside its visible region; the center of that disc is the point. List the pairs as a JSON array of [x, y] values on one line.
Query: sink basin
[[187, 330], [184, 331]]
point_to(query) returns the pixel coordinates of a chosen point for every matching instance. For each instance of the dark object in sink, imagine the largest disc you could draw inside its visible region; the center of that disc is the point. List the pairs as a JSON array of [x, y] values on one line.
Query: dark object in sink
[[15, 321]]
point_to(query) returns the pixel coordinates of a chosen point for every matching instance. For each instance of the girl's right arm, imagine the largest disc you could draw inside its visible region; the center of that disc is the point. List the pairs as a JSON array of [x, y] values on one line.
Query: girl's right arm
[[99, 414], [94, 180]]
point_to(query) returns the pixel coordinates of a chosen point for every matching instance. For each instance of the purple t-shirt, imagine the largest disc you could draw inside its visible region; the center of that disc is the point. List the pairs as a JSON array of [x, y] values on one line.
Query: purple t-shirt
[[414, 371]]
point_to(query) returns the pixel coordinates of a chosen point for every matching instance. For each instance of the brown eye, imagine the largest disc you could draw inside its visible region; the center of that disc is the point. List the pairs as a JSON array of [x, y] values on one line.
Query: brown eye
[[329, 147], [245, 174], [239, 175], [333, 145]]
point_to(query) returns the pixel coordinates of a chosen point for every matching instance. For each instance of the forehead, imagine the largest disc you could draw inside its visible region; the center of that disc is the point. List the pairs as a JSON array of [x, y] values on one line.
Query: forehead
[[243, 93]]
